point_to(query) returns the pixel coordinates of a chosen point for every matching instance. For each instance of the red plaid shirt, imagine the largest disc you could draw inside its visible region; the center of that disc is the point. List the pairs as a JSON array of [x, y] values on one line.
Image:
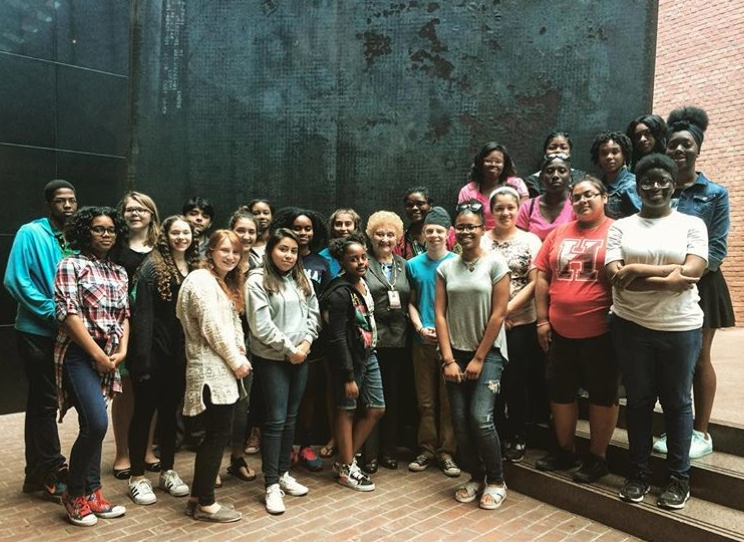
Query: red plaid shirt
[[96, 291]]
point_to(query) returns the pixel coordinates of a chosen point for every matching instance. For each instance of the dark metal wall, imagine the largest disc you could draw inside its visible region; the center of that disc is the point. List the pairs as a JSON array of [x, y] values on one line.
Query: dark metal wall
[[326, 103], [63, 110]]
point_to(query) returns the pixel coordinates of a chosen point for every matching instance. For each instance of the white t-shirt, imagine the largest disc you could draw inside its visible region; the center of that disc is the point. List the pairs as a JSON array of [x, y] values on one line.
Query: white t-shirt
[[658, 241]]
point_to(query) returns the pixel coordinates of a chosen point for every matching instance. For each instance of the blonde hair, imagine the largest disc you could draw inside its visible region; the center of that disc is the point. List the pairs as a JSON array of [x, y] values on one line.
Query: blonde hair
[[153, 229], [384, 218]]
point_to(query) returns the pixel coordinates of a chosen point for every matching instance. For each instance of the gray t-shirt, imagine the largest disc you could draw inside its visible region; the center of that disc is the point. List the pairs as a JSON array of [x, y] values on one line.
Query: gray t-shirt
[[469, 291]]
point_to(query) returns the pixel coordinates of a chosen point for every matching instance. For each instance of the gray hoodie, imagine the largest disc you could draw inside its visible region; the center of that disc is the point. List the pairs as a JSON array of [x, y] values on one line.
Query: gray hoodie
[[279, 322]]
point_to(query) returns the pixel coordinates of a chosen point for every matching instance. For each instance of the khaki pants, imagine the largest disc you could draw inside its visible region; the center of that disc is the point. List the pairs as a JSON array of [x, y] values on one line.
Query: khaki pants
[[435, 434]]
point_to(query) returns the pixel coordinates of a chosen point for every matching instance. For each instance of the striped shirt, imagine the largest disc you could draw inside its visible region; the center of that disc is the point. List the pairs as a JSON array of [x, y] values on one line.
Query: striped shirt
[[96, 291]]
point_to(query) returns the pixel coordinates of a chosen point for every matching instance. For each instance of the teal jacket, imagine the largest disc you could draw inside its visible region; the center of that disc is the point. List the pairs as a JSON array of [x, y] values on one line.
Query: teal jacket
[[29, 277]]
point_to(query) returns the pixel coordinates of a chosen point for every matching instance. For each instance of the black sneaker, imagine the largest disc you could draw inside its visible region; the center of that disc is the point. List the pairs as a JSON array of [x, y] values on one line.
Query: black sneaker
[[514, 452], [675, 494], [592, 469], [560, 460], [634, 489], [421, 463]]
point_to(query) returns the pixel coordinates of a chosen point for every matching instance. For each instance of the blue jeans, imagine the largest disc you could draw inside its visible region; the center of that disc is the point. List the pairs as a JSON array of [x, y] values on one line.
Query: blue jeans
[[43, 455], [283, 385], [83, 385], [657, 364], [471, 408]]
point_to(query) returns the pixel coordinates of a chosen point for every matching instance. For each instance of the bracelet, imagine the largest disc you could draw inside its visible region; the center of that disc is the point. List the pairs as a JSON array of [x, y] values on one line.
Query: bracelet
[[445, 363], [546, 323]]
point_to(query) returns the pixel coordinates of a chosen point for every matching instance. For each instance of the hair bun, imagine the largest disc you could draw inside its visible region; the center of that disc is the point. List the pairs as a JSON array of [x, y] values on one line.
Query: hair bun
[[693, 115]]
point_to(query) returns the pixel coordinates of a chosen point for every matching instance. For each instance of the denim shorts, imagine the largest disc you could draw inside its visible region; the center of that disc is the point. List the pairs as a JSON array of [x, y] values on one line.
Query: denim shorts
[[369, 382]]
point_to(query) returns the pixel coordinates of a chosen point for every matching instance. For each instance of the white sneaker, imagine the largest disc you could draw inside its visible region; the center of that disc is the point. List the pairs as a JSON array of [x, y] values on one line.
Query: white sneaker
[[700, 446], [290, 486], [353, 477], [274, 499], [141, 492], [660, 446], [172, 483]]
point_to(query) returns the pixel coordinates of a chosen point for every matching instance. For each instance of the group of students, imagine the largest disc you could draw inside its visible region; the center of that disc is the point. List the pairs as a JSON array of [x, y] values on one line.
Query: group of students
[[532, 290]]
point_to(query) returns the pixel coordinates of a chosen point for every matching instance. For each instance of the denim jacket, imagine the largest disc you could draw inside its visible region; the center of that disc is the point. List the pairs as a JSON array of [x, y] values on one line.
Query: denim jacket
[[622, 197], [710, 202]]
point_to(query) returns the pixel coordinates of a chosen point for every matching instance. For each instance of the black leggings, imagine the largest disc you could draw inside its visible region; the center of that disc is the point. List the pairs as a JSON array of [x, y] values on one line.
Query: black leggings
[[162, 393], [218, 428]]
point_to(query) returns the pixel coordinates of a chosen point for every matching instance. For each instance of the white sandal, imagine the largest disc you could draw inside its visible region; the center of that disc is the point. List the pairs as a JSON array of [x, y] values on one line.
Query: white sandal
[[493, 497], [468, 491]]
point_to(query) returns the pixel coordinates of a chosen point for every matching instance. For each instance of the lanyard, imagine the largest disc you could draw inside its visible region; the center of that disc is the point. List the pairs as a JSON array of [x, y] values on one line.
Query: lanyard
[[384, 279]]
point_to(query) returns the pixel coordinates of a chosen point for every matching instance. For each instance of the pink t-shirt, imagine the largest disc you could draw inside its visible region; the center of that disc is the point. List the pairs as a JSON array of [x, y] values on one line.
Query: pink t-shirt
[[580, 296], [470, 191], [531, 219]]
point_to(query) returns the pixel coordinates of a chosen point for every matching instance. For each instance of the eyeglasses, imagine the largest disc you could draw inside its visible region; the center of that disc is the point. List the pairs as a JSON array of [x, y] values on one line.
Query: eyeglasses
[[475, 207], [64, 201], [576, 198], [136, 210], [100, 230], [467, 228], [650, 184], [492, 163], [411, 204]]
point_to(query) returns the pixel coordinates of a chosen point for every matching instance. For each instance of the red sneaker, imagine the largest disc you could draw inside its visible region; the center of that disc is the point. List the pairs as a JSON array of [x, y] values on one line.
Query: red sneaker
[[78, 510], [102, 508]]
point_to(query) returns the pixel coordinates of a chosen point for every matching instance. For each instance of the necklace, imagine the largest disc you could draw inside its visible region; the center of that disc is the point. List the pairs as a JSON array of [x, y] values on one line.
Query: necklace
[[470, 265]]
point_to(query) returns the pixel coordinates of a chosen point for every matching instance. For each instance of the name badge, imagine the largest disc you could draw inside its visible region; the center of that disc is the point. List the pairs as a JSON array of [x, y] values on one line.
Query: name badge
[[394, 299]]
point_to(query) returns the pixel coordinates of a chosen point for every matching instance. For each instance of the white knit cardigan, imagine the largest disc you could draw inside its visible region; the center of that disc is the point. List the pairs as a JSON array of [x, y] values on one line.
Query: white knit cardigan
[[215, 345]]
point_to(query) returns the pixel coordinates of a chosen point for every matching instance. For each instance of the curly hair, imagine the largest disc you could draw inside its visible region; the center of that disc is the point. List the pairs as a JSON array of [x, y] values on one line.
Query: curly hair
[[384, 218], [286, 216], [476, 171], [153, 229], [688, 118], [272, 279], [166, 272], [338, 246], [655, 161], [77, 228], [623, 141], [233, 283]]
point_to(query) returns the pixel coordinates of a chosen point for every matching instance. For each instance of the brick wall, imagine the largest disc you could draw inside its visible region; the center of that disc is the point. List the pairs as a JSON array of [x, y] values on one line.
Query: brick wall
[[700, 61]]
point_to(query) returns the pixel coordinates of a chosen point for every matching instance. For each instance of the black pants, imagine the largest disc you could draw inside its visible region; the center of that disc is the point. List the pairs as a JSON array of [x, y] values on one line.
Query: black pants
[[43, 455], [523, 397], [218, 429], [161, 392], [385, 434]]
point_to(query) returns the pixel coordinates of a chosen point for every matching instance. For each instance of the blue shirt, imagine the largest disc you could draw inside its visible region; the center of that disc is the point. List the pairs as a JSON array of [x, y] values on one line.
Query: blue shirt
[[622, 196], [422, 276], [710, 202], [29, 277], [333, 264]]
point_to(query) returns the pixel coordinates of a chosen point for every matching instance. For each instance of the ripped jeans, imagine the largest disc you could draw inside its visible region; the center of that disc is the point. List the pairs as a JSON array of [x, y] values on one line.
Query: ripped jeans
[[471, 408]]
